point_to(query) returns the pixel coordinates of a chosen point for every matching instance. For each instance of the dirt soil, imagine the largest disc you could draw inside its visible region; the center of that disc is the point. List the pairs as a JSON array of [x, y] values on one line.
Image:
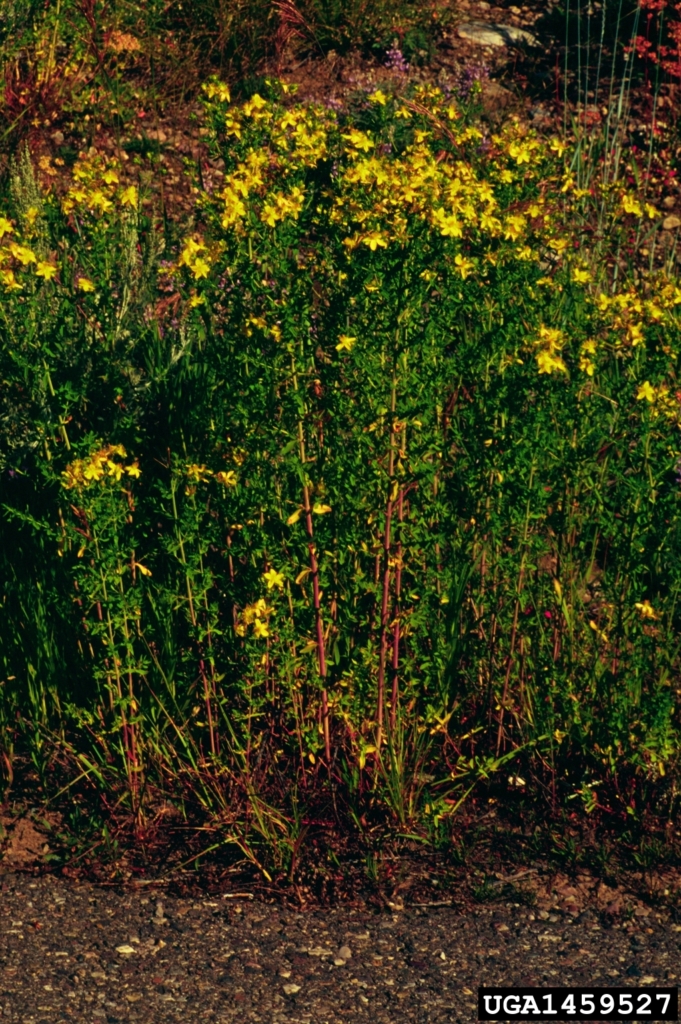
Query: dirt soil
[[74, 952]]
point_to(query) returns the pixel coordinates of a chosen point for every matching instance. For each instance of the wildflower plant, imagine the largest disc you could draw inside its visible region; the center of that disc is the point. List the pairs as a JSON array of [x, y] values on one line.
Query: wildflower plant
[[395, 490]]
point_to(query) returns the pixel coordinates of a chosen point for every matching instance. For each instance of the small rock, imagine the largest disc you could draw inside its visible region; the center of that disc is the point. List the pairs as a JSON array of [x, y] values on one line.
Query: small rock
[[671, 222], [291, 989], [58, 138], [125, 950], [501, 927], [643, 911], [669, 202], [159, 918], [345, 953], [339, 962], [614, 908], [648, 979], [543, 915], [363, 1000], [496, 35]]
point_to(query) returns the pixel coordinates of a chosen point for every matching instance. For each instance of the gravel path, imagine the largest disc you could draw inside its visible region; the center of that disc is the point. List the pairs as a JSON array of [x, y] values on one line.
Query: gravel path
[[74, 952]]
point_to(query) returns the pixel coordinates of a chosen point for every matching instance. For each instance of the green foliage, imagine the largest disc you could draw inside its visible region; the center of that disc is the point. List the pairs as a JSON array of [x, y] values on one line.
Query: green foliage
[[366, 493]]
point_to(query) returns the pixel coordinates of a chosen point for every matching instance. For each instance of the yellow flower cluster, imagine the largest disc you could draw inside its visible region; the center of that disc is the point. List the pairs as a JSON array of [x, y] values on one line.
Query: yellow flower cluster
[[550, 343], [100, 465], [14, 255], [255, 615], [97, 187], [661, 401], [195, 257], [200, 474], [378, 194]]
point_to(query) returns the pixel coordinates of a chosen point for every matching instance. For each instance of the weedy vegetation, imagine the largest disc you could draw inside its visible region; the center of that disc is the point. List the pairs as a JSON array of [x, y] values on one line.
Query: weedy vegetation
[[354, 495]]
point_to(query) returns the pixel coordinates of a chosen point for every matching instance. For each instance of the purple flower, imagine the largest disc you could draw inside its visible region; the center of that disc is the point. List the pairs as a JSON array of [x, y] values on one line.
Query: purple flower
[[469, 79], [395, 61]]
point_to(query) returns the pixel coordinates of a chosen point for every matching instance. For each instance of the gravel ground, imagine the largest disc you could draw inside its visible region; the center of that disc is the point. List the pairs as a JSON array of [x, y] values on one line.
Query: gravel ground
[[78, 952]]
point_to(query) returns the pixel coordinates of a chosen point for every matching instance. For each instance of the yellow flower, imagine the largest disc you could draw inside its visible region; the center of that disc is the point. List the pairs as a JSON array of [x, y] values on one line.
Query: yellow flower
[[94, 470], [448, 223], [359, 140], [270, 215], [191, 248], [9, 280], [320, 509], [378, 97], [110, 177], [463, 265], [260, 629], [114, 469], [142, 568], [521, 152], [651, 212], [586, 366], [98, 201], [636, 334], [274, 579], [646, 610], [253, 107], [217, 89], [374, 240], [133, 470], [552, 337], [5, 227], [199, 474], [646, 392], [345, 343], [557, 146], [548, 362], [23, 254], [226, 478], [128, 196], [200, 268], [46, 270], [630, 204], [581, 276], [85, 284], [514, 226]]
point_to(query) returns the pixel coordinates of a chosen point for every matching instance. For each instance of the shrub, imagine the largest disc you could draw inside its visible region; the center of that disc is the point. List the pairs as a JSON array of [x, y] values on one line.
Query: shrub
[[371, 488]]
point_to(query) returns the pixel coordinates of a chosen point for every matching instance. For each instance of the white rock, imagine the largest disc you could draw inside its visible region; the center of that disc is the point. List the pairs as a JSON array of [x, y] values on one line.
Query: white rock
[[291, 989], [345, 953], [486, 34]]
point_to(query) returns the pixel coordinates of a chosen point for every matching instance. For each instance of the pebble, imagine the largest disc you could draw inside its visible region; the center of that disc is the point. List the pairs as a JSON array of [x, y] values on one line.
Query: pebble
[[671, 222], [345, 953]]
